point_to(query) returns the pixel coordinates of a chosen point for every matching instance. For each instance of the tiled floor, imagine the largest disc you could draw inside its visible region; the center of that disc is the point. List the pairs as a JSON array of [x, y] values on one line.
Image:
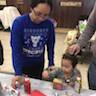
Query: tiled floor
[[59, 48]]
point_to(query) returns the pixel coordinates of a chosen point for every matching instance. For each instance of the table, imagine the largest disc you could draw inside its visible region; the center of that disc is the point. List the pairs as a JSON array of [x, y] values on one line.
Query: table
[[43, 86]]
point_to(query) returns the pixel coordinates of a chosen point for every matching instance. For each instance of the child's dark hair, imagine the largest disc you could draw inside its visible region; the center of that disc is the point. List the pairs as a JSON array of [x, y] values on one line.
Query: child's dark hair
[[34, 3], [72, 58]]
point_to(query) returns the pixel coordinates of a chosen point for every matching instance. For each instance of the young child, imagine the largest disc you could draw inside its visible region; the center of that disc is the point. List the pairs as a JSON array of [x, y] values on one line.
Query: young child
[[68, 72]]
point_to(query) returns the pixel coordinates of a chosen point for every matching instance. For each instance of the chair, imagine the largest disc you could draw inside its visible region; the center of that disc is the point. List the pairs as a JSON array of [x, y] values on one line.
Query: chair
[[8, 15]]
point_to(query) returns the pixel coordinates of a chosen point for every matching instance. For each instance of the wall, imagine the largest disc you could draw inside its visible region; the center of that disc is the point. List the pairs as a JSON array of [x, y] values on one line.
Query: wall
[[69, 13], [66, 16], [22, 5]]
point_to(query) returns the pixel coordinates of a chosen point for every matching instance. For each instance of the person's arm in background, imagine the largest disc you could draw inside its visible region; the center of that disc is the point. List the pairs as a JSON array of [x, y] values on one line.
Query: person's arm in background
[[86, 35], [50, 45], [89, 30]]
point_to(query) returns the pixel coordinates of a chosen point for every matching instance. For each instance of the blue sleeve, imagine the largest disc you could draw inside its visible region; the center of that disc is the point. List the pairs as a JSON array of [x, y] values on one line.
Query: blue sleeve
[[50, 45], [16, 44]]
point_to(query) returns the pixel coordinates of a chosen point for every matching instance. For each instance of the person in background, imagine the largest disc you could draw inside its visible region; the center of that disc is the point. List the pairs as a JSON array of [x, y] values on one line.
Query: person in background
[[1, 54], [29, 35], [68, 72], [82, 42]]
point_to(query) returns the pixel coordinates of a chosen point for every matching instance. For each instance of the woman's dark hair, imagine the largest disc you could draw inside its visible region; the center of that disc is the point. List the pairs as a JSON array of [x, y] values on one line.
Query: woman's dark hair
[[34, 3], [72, 58]]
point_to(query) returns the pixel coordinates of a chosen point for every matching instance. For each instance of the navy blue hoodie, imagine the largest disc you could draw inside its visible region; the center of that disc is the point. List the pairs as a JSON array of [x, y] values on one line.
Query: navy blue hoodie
[[28, 41]]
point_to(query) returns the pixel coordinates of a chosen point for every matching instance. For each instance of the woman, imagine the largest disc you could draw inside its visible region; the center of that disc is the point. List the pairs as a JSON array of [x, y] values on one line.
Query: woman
[[30, 33]]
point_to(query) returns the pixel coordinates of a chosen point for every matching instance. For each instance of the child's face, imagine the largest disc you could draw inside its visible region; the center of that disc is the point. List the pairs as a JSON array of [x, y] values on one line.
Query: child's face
[[66, 66]]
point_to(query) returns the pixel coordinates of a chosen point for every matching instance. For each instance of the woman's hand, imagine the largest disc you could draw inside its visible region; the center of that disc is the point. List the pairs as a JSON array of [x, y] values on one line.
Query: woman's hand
[[18, 79]]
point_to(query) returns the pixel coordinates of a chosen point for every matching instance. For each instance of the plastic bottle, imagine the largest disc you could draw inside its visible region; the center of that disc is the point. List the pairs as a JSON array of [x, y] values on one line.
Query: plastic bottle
[[17, 88], [78, 85], [27, 85]]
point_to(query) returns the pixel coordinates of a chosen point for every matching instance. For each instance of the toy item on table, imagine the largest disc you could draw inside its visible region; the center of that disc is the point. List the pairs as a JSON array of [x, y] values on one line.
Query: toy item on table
[[57, 84], [69, 94], [27, 85], [9, 91]]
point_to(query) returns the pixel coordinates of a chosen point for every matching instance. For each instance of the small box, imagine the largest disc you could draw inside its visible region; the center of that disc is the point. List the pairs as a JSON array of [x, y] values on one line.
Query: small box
[[58, 84]]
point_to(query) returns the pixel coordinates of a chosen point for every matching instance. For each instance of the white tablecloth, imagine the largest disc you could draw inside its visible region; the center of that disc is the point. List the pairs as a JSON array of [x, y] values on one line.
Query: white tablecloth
[[43, 86]]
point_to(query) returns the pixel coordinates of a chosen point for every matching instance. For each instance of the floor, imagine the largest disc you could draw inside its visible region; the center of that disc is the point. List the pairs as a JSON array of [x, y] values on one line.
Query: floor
[[59, 48]]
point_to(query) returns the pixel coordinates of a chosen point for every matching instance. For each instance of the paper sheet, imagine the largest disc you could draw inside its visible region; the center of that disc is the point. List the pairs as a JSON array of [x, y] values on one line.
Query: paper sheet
[[93, 94]]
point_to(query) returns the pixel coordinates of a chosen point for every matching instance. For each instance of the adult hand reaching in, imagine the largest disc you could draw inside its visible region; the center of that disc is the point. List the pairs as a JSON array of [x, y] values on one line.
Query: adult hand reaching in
[[74, 49]]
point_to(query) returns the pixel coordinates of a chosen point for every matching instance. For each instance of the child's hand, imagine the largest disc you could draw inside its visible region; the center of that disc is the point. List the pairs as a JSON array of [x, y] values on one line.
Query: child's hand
[[65, 85], [52, 68], [45, 75]]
